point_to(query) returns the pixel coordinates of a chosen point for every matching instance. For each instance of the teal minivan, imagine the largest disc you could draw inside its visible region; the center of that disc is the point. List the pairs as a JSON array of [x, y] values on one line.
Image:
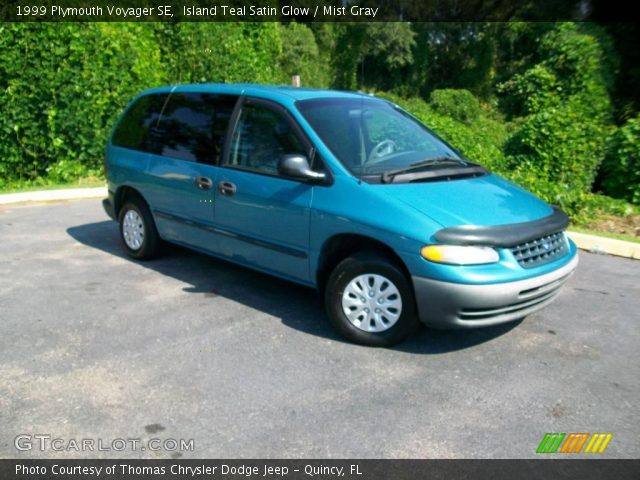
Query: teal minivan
[[342, 192]]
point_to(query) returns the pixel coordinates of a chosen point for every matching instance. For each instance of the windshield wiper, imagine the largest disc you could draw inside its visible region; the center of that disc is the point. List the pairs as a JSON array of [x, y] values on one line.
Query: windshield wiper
[[387, 177]]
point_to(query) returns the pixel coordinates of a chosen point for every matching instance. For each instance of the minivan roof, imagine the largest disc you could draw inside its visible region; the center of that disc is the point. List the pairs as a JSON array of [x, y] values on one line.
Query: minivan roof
[[275, 92]]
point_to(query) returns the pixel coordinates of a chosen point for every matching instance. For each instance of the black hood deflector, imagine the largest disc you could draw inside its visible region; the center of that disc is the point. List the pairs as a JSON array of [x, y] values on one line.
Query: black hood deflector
[[504, 235]]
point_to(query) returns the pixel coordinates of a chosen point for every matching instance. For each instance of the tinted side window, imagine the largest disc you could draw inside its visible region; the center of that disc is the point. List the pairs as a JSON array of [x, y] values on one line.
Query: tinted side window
[[261, 137], [192, 127], [133, 129]]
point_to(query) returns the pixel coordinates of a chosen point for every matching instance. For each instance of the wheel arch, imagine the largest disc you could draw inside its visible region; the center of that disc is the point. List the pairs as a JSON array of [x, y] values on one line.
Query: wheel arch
[[340, 246], [124, 193]]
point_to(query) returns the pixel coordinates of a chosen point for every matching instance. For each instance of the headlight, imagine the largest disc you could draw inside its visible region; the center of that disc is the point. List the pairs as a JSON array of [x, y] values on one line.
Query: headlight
[[459, 254]]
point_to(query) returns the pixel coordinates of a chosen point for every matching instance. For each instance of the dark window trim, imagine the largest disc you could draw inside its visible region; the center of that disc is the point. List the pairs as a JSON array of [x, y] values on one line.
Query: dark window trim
[[312, 154]]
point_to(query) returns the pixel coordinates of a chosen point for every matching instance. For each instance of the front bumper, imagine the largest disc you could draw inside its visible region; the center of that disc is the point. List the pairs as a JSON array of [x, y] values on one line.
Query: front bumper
[[454, 305]]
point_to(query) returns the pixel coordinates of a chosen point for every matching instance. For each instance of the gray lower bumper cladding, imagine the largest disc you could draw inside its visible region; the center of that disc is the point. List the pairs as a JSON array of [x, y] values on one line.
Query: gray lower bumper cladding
[[453, 305]]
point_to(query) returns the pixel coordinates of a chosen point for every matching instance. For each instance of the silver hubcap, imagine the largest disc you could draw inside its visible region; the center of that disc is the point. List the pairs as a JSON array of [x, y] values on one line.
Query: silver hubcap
[[133, 230], [372, 303]]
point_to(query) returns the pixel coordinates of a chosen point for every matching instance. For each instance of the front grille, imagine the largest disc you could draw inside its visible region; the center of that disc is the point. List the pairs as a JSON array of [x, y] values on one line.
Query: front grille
[[541, 250]]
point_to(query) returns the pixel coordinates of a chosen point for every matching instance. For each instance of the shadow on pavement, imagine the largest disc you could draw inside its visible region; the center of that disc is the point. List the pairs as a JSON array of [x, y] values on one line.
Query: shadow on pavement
[[297, 306]]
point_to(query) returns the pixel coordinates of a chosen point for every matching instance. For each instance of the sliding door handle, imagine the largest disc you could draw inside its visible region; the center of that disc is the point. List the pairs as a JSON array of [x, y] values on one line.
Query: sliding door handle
[[204, 183], [227, 188]]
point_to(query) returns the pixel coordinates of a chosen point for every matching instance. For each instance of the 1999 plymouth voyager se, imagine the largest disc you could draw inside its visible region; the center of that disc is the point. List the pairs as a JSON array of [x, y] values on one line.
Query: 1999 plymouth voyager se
[[339, 191]]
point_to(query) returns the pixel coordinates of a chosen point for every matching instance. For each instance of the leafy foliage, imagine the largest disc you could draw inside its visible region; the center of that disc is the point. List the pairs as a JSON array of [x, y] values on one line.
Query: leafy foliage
[[461, 105], [63, 85], [563, 114], [377, 55], [300, 56], [531, 92], [454, 55], [559, 146], [60, 101], [622, 163], [532, 101], [220, 52], [390, 44]]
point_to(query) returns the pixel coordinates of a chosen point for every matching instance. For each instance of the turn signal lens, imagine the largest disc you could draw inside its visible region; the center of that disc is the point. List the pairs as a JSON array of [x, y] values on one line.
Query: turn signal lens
[[459, 254]]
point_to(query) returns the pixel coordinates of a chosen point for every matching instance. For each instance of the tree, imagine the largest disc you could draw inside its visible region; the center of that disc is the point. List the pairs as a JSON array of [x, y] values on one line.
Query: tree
[[300, 56]]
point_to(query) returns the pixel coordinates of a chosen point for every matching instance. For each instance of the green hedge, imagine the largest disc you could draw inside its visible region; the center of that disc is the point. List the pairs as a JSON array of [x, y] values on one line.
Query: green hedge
[[562, 115], [63, 86], [621, 167], [301, 55], [559, 146], [197, 52], [460, 104]]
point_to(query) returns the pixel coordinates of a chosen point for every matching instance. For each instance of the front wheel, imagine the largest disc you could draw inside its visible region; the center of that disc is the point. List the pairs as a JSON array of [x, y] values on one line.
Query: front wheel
[[370, 301]]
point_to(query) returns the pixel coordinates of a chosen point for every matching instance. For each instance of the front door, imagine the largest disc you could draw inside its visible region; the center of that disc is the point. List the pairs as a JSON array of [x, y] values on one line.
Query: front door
[[262, 217]]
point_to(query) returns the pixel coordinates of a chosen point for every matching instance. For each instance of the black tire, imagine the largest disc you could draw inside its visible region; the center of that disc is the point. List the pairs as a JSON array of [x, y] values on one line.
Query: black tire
[[150, 246], [362, 264]]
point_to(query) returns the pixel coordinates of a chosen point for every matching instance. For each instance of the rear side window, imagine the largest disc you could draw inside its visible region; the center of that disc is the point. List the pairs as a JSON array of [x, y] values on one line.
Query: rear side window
[[193, 127], [134, 128]]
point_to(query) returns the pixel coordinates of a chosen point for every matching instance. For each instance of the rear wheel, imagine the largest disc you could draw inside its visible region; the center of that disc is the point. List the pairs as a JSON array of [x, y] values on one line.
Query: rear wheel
[[370, 301], [138, 230]]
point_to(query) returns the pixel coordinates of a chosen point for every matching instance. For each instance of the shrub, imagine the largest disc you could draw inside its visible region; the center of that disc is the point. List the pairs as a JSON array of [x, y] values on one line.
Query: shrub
[[461, 105], [582, 57], [530, 92], [63, 86], [59, 101], [300, 56], [199, 52], [565, 114], [621, 168], [560, 146], [577, 60]]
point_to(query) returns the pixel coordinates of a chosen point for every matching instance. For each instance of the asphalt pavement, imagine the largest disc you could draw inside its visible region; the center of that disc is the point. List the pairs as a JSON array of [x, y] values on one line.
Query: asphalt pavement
[[235, 364]]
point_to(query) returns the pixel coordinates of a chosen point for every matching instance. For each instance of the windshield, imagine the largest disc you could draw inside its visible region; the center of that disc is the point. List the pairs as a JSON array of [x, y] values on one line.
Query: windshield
[[371, 136]]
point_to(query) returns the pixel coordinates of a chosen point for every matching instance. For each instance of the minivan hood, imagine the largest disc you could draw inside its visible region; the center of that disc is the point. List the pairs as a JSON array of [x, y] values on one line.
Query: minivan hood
[[487, 200]]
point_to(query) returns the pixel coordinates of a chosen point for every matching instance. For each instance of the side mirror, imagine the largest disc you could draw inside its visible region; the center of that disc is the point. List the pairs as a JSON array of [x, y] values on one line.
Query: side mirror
[[297, 166]]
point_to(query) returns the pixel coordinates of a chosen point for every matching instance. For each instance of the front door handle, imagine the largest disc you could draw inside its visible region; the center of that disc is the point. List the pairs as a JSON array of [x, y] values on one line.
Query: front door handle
[[204, 183], [227, 188]]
